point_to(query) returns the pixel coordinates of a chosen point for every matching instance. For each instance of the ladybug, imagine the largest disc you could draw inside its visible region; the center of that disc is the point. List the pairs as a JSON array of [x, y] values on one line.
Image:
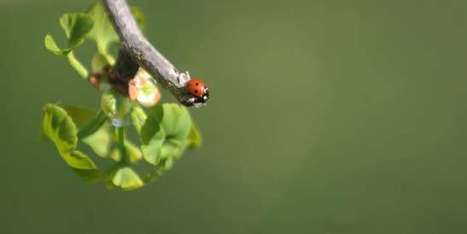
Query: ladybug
[[198, 90]]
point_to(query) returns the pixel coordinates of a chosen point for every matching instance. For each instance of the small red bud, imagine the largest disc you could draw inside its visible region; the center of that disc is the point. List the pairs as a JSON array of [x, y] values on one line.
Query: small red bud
[[132, 90], [95, 80]]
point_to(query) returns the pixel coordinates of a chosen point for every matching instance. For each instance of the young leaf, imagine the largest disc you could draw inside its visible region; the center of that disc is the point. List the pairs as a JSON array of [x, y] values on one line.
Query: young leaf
[[109, 104], [167, 164], [152, 149], [102, 32], [152, 124], [78, 160], [177, 124], [52, 46], [115, 154], [79, 115], [152, 136], [58, 126], [194, 138], [138, 117], [176, 121], [172, 149], [76, 27], [91, 126], [134, 153], [165, 132], [127, 179], [100, 140]]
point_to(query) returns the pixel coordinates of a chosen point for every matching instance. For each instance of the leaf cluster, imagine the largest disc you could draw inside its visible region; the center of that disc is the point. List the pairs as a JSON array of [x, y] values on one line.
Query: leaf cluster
[[123, 144], [163, 133], [94, 25]]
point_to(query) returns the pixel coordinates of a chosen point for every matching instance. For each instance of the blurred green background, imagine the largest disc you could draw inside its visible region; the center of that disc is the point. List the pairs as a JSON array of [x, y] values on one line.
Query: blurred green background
[[325, 117]]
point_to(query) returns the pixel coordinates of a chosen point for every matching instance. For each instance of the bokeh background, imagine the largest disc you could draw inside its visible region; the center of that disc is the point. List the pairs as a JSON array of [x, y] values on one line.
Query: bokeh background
[[325, 117]]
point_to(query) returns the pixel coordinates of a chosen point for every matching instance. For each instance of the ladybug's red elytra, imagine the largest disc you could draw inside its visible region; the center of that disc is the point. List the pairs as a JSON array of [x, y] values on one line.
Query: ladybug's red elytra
[[197, 89]]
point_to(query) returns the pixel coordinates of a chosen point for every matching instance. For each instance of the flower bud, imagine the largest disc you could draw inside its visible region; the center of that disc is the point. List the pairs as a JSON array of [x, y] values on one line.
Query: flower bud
[[143, 90]]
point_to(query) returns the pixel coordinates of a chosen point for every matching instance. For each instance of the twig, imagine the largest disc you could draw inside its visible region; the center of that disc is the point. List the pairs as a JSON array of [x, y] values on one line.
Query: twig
[[144, 53]]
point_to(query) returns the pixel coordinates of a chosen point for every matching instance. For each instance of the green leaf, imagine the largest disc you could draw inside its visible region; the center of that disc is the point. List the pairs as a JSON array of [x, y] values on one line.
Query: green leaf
[[93, 130], [138, 117], [52, 46], [115, 105], [152, 125], [172, 149], [194, 138], [127, 179], [165, 132], [177, 124], [58, 126], [76, 27], [134, 153], [176, 121], [115, 154], [100, 141], [102, 32], [152, 149], [80, 115], [167, 164], [92, 125], [152, 136], [123, 106], [109, 104], [78, 160]]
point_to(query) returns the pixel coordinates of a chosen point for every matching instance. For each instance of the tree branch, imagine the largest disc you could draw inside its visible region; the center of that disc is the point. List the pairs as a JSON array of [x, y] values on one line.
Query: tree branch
[[144, 53]]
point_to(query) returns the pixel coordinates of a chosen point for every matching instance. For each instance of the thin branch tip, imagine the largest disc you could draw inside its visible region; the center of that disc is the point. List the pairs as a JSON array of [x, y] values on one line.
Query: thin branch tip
[[145, 54]]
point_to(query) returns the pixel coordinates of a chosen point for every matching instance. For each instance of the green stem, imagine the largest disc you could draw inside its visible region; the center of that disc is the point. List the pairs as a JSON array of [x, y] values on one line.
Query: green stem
[[109, 58], [77, 65], [121, 144], [103, 51]]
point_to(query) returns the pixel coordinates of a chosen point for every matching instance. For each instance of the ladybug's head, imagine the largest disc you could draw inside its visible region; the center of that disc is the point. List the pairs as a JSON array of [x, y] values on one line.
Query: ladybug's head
[[198, 90]]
